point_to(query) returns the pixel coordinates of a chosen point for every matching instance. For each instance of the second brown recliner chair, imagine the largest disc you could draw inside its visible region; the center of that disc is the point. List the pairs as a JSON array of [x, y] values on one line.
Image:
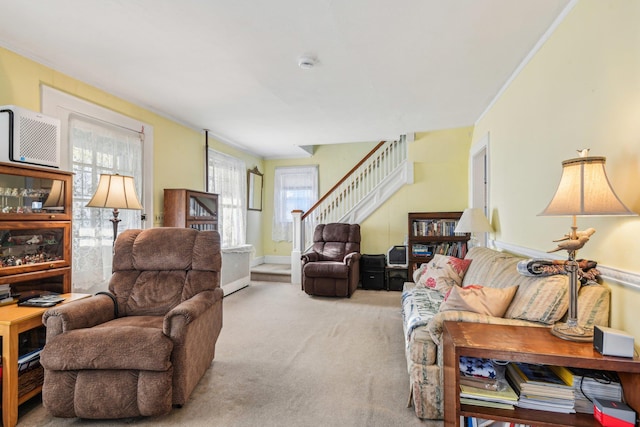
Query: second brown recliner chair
[[332, 266]]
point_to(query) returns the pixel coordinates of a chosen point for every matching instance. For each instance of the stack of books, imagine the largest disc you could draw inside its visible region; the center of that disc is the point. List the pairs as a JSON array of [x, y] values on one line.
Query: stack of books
[[589, 384], [480, 386], [503, 398], [539, 387]]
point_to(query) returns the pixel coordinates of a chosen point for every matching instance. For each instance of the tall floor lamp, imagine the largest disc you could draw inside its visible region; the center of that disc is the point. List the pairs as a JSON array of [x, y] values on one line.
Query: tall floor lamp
[[584, 190], [115, 192]]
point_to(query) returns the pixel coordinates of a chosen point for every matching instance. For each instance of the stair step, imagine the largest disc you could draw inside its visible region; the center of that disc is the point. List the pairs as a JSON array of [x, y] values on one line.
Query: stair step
[[271, 273]]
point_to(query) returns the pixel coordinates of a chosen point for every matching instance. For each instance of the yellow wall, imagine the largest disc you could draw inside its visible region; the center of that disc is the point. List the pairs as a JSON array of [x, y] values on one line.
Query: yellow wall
[[178, 150], [581, 90], [333, 161], [440, 184]]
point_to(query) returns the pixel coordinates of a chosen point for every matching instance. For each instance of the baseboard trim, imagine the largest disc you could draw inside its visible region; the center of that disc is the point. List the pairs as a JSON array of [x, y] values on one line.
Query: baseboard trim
[[236, 285], [624, 278]]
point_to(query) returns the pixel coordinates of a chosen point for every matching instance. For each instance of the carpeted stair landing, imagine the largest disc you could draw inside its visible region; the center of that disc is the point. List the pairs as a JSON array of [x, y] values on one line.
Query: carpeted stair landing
[[287, 359]]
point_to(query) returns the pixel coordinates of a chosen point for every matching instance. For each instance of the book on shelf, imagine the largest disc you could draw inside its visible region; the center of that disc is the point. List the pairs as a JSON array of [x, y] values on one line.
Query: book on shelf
[[435, 227], [478, 381], [485, 403], [29, 360], [540, 388], [538, 374], [483, 422], [506, 395], [589, 384]]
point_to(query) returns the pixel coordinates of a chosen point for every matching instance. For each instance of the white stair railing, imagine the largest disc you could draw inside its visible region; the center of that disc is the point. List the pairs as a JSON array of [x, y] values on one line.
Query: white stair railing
[[343, 203]]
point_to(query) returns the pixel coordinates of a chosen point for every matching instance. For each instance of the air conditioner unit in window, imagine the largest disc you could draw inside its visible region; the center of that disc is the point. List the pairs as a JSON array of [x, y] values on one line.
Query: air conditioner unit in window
[[29, 137]]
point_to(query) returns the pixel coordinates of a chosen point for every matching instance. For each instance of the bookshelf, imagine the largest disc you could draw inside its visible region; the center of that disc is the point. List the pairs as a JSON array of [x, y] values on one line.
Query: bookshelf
[[525, 344], [430, 233], [190, 208]]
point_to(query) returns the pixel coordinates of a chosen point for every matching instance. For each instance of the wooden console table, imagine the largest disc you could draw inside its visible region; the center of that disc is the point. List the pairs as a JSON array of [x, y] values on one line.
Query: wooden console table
[[532, 345], [15, 319]]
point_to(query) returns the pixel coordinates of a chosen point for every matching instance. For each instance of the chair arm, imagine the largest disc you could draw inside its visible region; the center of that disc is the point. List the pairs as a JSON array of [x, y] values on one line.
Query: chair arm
[[176, 321], [83, 313], [309, 257], [352, 257]]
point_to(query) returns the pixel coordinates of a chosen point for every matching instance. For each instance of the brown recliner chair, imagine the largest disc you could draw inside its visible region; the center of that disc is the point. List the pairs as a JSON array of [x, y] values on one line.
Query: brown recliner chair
[[332, 266], [143, 347]]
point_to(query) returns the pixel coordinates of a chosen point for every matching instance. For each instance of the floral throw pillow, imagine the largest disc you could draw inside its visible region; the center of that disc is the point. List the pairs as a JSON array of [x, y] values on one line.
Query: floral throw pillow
[[442, 273]]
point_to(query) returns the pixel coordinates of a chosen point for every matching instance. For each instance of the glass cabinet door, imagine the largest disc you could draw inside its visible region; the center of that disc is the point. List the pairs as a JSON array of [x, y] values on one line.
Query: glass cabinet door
[[27, 194], [203, 207], [33, 246]]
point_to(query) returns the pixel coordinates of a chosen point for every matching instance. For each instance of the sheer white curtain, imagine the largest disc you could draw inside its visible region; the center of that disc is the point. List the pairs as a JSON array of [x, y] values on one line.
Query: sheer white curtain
[[99, 147], [228, 179], [295, 187]]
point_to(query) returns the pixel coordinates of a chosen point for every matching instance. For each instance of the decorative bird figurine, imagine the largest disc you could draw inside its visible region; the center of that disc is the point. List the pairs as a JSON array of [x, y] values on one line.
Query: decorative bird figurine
[[569, 244], [588, 232]]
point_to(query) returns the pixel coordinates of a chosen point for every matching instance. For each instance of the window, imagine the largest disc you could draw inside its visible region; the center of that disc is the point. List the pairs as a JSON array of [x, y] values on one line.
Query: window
[[97, 140], [228, 179], [295, 187], [99, 148]]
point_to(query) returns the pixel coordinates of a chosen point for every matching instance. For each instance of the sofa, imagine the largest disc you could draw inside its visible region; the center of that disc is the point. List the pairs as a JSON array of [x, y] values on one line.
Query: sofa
[[510, 297]]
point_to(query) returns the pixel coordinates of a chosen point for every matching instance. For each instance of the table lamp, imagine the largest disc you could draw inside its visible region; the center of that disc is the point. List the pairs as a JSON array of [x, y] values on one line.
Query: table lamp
[[584, 190], [473, 220], [115, 192]]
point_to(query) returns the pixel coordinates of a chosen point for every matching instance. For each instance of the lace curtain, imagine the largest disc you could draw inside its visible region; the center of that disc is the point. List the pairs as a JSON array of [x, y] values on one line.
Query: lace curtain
[[228, 179], [99, 147], [295, 187]]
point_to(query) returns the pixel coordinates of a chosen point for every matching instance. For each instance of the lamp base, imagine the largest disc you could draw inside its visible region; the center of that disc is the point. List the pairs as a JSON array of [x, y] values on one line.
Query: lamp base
[[570, 332]]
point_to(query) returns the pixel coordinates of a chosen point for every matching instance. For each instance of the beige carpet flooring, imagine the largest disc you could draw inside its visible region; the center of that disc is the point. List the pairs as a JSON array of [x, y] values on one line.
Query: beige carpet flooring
[[287, 359]]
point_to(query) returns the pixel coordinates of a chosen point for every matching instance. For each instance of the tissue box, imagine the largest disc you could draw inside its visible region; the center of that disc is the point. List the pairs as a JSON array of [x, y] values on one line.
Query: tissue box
[[613, 414]]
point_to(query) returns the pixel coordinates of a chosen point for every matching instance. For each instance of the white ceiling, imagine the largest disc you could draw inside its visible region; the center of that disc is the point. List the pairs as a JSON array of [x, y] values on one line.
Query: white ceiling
[[385, 67]]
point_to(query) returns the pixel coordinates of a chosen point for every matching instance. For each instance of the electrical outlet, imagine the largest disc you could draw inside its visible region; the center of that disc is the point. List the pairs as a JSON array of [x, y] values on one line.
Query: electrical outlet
[[159, 217]]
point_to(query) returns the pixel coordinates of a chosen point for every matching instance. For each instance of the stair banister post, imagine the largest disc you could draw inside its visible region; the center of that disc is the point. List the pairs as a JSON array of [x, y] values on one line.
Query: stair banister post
[[296, 249]]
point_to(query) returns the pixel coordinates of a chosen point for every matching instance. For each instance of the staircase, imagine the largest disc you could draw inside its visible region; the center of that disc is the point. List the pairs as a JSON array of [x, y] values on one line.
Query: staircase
[[271, 273], [381, 173]]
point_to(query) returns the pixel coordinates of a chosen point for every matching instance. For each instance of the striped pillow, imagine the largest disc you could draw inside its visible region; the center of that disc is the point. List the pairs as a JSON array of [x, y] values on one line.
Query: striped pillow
[[544, 300]]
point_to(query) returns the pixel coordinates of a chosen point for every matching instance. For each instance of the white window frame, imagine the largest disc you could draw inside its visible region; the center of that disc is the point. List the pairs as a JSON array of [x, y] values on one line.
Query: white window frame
[[237, 192], [282, 228], [60, 105]]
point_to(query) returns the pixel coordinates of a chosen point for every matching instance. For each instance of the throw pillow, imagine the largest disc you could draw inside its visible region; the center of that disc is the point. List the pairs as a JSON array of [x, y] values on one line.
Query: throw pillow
[[442, 273], [541, 299], [479, 299]]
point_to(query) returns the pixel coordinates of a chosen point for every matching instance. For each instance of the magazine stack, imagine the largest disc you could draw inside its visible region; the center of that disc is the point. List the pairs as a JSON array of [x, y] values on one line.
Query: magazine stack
[[539, 387]]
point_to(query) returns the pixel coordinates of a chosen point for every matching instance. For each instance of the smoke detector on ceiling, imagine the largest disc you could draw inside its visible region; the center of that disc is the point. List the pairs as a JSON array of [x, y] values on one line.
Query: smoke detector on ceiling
[[307, 62]]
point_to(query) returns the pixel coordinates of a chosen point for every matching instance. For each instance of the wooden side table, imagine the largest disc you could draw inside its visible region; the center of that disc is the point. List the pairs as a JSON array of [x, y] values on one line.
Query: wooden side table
[[531, 345], [15, 319]]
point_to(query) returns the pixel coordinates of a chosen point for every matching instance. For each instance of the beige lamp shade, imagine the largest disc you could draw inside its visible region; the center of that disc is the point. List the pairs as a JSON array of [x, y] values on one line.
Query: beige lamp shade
[[115, 192], [584, 189], [473, 220]]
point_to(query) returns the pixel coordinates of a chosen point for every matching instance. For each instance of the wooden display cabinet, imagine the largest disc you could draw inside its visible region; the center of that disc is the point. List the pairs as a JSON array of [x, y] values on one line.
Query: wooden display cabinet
[[528, 344], [190, 208], [35, 228], [433, 232]]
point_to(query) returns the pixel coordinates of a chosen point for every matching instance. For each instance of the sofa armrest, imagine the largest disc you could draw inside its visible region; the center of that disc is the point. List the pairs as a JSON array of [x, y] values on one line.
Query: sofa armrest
[[83, 313], [436, 325], [176, 322]]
